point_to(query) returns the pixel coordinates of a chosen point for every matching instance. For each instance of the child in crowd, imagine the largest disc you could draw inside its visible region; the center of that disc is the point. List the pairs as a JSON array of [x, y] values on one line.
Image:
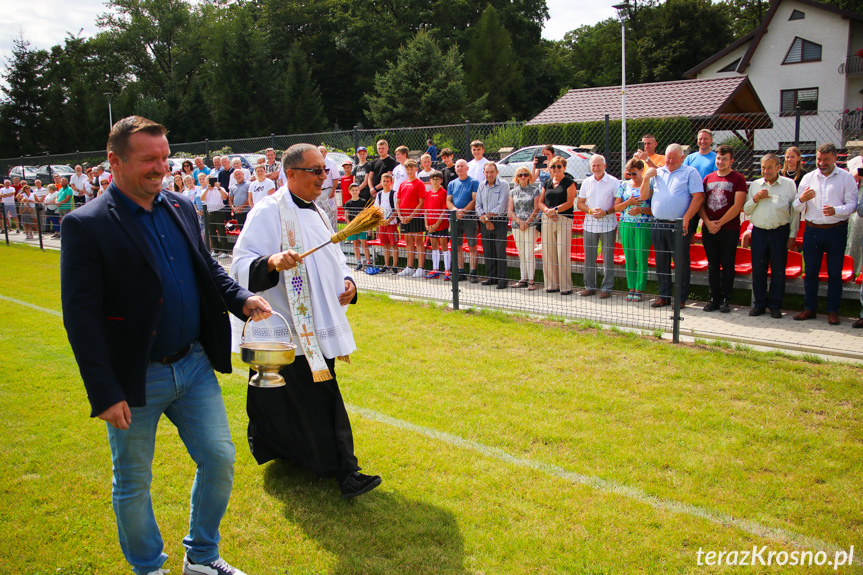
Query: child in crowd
[[352, 208], [425, 173], [399, 173], [262, 186], [346, 181], [437, 225], [410, 207], [476, 167], [387, 200]]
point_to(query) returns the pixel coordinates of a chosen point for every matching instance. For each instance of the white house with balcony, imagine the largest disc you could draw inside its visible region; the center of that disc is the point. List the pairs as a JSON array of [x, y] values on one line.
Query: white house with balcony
[[806, 55]]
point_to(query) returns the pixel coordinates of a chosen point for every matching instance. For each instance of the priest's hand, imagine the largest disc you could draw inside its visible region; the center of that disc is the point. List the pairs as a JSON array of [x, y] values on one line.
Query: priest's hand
[[349, 293], [281, 261], [257, 308], [118, 415]]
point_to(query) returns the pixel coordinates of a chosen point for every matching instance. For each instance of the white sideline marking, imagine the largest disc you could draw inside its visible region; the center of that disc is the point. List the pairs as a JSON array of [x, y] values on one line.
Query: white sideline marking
[[31, 306], [606, 486], [603, 485]]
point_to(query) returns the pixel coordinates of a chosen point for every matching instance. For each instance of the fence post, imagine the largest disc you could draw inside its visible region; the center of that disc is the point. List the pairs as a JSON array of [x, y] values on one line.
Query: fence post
[[207, 228], [455, 248], [797, 126], [38, 208], [356, 138], [5, 222], [467, 138], [273, 140], [607, 136], [678, 276], [207, 146], [77, 156]]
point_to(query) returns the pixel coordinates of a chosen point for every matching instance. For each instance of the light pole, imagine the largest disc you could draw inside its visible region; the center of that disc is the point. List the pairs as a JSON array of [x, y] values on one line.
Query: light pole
[[622, 14], [110, 95]]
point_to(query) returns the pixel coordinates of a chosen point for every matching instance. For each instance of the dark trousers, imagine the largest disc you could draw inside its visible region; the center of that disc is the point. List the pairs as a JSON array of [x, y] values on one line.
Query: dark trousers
[[817, 242], [664, 244], [494, 250], [720, 249], [769, 247]]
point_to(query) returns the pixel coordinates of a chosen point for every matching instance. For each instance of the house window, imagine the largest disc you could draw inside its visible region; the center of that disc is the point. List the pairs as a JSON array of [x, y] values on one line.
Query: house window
[[732, 67], [803, 51], [797, 15], [806, 98]]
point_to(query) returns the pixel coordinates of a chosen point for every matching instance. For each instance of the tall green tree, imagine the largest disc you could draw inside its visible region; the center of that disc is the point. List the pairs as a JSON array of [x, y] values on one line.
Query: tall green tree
[[22, 106], [423, 83], [299, 107], [490, 65]]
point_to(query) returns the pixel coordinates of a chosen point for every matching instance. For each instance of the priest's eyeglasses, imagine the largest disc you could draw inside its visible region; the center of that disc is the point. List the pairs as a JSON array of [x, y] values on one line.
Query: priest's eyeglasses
[[315, 171]]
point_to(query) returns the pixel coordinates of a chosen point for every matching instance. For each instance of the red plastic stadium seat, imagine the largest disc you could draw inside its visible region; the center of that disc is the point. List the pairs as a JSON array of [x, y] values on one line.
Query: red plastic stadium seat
[[847, 269], [799, 238], [743, 262], [375, 242], [341, 213], [697, 258], [576, 250], [859, 279], [793, 267], [651, 258], [578, 222], [619, 258]]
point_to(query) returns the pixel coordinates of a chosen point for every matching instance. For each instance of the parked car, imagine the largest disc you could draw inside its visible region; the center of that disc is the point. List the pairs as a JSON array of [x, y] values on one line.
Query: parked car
[[26, 173], [577, 161], [47, 175], [339, 158], [249, 160]]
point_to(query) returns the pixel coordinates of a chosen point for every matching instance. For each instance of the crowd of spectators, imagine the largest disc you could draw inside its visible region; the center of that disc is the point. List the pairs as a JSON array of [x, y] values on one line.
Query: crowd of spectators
[[716, 204]]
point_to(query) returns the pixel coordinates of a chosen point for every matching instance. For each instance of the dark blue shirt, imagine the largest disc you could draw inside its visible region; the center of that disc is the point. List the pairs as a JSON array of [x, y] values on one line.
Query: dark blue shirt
[[181, 310]]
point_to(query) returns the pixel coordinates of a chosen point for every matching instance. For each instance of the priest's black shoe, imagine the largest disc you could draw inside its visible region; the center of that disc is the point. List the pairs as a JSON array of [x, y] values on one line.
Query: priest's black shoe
[[357, 483]]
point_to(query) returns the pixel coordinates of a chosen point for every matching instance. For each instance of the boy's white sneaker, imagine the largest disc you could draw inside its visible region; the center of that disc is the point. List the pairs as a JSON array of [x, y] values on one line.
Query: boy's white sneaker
[[419, 273], [406, 272]]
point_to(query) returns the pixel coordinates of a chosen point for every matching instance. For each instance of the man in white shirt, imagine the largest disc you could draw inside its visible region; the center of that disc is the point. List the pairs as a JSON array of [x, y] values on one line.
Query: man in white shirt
[[774, 229], [399, 174], [79, 183], [475, 167], [272, 168], [596, 199], [237, 164], [327, 199], [827, 197], [7, 196]]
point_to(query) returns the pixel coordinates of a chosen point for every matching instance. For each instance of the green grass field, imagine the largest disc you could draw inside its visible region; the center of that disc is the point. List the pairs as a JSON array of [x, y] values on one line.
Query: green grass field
[[507, 446]]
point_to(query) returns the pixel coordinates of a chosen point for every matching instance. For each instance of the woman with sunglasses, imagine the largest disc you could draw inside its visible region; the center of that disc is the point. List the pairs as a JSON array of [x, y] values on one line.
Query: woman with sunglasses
[[187, 168], [555, 201], [523, 214], [636, 220]]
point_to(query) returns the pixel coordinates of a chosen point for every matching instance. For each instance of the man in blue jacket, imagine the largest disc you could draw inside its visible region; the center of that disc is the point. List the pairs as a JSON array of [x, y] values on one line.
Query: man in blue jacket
[[145, 308]]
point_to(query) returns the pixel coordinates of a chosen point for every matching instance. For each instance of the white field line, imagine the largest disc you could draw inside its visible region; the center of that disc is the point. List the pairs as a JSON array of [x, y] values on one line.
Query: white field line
[[803, 542], [603, 485]]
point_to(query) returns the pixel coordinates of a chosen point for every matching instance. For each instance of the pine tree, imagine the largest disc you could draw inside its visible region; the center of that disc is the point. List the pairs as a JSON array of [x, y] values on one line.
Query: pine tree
[[24, 100], [422, 86], [491, 66], [301, 109]]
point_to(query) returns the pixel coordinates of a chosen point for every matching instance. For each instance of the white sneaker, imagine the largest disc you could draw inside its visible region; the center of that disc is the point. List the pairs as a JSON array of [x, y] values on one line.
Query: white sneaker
[[217, 567], [406, 272], [159, 572], [419, 273]]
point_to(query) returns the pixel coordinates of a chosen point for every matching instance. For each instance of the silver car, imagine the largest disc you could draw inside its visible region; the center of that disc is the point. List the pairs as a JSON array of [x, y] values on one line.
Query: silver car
[[577, 161]]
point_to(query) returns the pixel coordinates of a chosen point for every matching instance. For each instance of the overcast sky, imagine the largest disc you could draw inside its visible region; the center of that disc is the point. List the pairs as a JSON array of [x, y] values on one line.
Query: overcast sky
[[45, 23]]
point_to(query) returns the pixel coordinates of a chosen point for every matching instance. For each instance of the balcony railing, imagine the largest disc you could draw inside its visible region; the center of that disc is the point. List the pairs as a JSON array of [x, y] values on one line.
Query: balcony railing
[[852, 65]]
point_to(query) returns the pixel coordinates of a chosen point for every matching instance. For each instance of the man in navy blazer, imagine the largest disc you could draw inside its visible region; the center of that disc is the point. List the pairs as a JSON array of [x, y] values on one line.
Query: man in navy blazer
[[145, 308]]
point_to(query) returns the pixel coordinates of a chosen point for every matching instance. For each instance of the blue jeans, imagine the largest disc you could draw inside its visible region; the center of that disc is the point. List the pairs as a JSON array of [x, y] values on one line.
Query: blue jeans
[[817, 242], [189, 394]]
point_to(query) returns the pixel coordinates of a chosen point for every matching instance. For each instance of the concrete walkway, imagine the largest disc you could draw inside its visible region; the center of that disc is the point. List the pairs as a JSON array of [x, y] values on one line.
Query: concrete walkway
[[813, 336]]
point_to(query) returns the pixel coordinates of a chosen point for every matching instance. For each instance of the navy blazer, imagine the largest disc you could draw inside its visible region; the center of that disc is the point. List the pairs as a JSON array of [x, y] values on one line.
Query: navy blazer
[[112, 297]]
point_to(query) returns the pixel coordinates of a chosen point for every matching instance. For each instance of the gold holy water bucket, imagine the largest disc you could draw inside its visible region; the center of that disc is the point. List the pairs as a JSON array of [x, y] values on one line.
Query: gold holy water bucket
[[267, 357]]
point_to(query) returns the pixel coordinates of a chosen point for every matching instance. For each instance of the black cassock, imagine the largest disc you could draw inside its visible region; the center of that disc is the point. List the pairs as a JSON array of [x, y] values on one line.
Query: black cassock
[[304, 421]]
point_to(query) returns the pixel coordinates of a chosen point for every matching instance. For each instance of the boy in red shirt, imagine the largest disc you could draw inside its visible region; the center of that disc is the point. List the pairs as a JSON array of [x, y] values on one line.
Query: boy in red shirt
[[437, 225], [346, 181], [410, 209]]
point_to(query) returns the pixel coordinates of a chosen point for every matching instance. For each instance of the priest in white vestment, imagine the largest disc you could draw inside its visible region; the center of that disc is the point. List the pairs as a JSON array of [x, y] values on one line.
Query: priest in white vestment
[[304, 421]]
